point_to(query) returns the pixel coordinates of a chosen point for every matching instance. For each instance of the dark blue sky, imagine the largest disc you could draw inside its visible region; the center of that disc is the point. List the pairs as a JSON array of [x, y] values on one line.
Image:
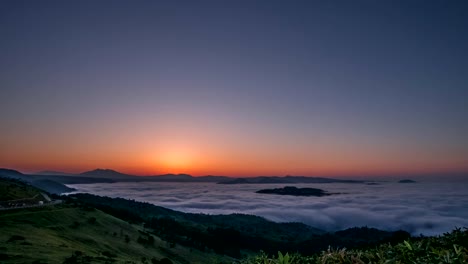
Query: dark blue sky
[[270, 86]]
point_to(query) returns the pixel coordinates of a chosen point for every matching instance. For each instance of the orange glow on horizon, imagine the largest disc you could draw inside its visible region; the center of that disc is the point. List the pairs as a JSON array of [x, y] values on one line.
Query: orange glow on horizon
[[213, 153], [176, 162]]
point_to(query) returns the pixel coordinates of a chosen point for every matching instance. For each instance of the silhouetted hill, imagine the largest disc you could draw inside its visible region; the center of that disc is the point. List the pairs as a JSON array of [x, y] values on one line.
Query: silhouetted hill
[[183, 178], [11, 173], [211, 178], [109, 176], [51, 186], [291, 190], [75, 179], [106, 174], [406, 181], [39, 182], [119, 177], [170, 177], [236, 181]]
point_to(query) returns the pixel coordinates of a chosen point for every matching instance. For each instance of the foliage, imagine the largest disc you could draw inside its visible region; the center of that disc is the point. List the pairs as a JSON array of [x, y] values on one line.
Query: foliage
[[12, 189], [234, 234], [50, 235], [15, 238], [451, 248]]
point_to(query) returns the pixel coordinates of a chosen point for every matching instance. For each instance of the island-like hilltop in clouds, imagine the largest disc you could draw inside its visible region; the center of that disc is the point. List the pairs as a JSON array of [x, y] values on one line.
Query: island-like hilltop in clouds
[[294, 191]]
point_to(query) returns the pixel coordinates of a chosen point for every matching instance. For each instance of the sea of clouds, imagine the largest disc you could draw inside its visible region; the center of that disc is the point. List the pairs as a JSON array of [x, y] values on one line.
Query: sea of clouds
[[420, 208]]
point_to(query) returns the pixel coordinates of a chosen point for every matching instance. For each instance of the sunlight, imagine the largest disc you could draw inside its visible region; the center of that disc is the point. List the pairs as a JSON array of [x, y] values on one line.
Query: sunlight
[[175, 160]]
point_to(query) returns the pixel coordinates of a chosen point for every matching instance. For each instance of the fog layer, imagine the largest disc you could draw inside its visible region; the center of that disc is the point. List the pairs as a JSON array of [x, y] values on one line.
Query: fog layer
[[419, 208]]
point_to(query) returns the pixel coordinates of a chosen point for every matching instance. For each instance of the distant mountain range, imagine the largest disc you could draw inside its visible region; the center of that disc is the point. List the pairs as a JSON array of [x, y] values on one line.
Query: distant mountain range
[[106, 174], [110, 176], [40, 182]]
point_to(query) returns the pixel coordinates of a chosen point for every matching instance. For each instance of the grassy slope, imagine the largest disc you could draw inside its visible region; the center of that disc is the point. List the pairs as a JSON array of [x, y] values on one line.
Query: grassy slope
[[249, 224], [12, 190], [51, 235]]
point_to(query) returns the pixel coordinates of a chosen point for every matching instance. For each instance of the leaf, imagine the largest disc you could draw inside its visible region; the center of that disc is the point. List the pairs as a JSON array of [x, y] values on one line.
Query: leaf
[[457, 249], [408, 245], [280, 256]]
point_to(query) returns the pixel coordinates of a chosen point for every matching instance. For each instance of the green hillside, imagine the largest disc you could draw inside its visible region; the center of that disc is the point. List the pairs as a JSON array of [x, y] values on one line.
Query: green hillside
[[235, 235], [63, 233], [14, 189]]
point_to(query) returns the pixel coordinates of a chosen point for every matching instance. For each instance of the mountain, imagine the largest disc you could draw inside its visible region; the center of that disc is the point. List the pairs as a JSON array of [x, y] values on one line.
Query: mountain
[[51, 186], [121, 177], [74, 179], [107, 174], [12, 173], [211, 178], [235, 181], [184, 178], [12, 189], [45, 184], [171, 177], [110, 176]]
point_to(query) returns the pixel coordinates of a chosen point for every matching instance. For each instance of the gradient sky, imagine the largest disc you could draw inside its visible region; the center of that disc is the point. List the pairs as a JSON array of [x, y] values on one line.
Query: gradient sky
[[235, 87]]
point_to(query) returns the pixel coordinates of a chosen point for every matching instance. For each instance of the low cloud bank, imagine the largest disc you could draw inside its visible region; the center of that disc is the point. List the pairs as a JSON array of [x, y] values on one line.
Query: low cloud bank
[[421, 208]]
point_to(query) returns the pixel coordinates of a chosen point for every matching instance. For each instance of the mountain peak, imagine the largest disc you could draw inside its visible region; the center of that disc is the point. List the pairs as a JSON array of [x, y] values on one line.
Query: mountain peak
[[6, 171], [105, 173], [102, 170]]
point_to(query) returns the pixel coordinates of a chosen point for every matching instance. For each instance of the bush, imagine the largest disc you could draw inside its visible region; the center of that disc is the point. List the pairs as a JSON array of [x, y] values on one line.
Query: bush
[[78, 257], [162, 261], [451, 248], [16, 238], [4, 256]]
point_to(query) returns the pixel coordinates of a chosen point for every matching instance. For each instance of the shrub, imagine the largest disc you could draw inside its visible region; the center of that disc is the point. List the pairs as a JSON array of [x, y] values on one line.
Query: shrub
[[451, 248], [16, 238]]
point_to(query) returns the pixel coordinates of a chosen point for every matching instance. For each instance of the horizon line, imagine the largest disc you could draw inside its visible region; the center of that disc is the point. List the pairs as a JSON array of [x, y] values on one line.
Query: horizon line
[[325, 175]]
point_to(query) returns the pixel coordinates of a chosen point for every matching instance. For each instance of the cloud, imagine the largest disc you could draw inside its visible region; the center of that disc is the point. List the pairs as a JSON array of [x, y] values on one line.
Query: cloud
[[421, 208]]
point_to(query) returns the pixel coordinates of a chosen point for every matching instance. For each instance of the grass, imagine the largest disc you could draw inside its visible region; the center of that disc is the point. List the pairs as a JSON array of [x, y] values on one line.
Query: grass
[[53, 234], [13, 190], [450, 248]]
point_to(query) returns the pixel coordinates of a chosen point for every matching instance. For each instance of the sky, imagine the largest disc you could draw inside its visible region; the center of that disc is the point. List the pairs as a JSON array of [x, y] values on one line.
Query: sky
[[237, 88]]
